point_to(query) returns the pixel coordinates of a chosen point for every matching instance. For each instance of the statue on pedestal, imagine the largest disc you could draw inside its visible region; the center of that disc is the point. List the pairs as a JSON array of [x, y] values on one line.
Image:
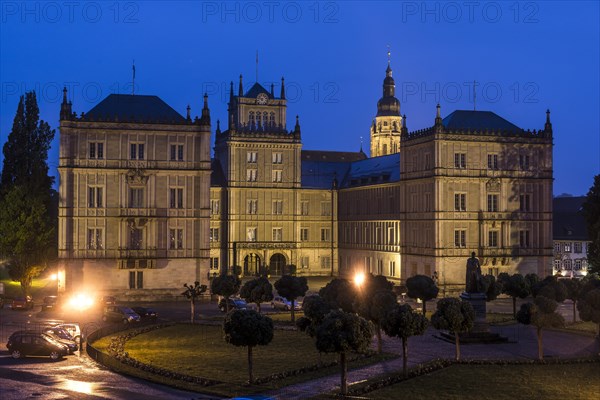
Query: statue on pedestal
[[473, 277]]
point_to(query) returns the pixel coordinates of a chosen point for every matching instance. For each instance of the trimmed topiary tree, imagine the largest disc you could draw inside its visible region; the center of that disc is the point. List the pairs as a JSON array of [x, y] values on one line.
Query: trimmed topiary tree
[[422, 287], [374, 307], [226, 286], [248, 328], [257, 291], [192, 293], [514, 286], [454, 315], [551, 288], [403, 322], [341, 332], [291, 287], [339, 294], [541, 314], [589, 302], [315, 309]]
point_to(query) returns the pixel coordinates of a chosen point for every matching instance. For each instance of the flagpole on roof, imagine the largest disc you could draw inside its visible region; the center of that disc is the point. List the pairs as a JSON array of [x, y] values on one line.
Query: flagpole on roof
[[133, 79]]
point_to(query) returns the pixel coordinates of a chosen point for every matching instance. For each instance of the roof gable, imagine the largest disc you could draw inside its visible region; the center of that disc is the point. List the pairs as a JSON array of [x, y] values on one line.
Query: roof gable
[[477, 121], [134, 108], [257, 89]]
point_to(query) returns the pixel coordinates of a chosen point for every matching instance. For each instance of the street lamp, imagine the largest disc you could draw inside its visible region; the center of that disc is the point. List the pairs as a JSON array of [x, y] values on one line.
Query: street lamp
[[359, 279]]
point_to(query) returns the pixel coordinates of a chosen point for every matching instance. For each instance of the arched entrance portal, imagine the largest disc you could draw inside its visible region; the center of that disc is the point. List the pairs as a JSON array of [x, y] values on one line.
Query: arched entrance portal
[[276, 264], [251, 264]]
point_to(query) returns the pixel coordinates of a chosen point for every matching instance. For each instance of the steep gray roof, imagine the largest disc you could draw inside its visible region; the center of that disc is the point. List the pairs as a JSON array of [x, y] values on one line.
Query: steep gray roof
[[477, 120], [332, 156], [256, 89], [134, 108], [374, 171], [567, 220]]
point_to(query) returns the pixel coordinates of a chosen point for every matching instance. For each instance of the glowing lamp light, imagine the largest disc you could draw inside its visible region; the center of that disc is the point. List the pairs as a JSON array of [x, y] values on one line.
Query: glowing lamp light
[[359, 279], [81, 301], [54, 277]]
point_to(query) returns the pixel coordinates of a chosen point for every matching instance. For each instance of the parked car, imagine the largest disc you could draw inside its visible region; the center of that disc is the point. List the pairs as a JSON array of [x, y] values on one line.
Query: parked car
[[281, 303], [51, 303], [145, 313], [120, 314], [63, 337], [72, 329], [25, 343], [234, 304], [22, 303]]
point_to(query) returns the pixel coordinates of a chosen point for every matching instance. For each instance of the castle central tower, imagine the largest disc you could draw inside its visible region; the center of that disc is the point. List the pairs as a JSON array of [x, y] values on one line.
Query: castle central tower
[[387, 125]]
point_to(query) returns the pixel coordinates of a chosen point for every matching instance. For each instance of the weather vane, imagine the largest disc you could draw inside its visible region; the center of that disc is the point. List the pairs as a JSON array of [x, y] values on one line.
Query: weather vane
[[389, 54]]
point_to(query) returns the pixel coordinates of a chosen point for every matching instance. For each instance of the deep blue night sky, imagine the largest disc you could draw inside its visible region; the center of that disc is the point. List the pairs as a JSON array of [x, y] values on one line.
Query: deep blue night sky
[[525, 57]]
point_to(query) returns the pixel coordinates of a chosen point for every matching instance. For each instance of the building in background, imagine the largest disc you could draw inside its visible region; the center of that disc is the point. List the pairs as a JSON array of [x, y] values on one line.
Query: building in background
[[144, 208], [570, 236]]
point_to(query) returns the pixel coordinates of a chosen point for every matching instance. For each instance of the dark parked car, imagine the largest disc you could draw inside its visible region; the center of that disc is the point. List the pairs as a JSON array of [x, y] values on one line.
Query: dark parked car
[[51, 303], [63, 337], [120, 314], [145, 313], [234, 304], [21, 344], [22, 303]]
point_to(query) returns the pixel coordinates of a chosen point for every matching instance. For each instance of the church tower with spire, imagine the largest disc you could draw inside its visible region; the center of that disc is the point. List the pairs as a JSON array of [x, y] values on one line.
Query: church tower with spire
[[387, 125]]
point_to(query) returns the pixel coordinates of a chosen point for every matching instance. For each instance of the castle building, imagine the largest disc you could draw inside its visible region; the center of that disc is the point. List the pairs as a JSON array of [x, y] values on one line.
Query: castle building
[[144, 209]]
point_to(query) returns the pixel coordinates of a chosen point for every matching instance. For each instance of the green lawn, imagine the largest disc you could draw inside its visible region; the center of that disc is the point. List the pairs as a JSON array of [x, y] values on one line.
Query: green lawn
[[510, 382], [200, 350]]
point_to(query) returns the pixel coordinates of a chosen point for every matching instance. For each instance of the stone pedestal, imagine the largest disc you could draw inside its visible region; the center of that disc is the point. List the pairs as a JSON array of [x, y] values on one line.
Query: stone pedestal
[[478, 301]]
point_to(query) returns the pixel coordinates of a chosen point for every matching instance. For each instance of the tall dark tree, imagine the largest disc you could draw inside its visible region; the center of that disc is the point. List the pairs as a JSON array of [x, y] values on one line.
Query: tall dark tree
[[422, 287], [192, 292], [291, 287], [248, 328], [26, 151], [257, 291], [340, 294], [27, 218], [591, 213], [341, 332], [225, 285], [551, 288], [315, 309], [403, 322]]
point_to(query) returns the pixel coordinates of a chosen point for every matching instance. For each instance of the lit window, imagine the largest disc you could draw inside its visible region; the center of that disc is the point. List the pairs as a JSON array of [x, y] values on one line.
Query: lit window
[[251, 157], [251, 233], [214, 263], [304, 208], [277, 158], [277, 175], [325, 234], [214, 206]]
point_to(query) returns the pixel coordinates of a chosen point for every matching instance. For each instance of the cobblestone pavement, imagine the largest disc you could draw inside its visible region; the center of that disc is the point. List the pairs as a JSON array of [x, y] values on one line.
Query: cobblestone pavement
[[522, 345]]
